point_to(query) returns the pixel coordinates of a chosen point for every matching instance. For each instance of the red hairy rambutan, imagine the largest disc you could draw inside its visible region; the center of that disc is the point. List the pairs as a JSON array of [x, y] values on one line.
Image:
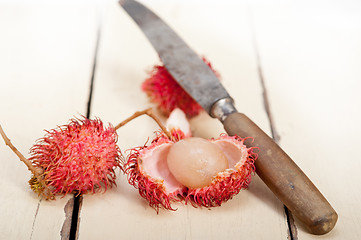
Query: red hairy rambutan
[[167, 94], [79, 157], [178, 167]]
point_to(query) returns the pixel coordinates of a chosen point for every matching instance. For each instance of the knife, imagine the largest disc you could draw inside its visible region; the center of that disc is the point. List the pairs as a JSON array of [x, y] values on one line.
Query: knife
[[280, 173]]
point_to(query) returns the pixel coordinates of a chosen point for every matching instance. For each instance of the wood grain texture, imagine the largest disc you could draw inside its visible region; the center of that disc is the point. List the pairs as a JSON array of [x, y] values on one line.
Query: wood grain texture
[[46, 52]]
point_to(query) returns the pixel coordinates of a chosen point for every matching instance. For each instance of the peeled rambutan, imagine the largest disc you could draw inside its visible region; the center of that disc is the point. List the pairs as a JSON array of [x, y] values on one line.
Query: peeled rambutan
[[199, 171], [79, 157], [167, 94]]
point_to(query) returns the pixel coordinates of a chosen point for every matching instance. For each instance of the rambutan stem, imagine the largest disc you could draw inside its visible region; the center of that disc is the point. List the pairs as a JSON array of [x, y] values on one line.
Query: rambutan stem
[[16, 151], [150, 113], [36, 171]]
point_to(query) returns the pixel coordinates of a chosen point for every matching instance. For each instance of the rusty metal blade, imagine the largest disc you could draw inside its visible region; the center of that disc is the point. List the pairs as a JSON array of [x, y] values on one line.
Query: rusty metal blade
[[186, 67]]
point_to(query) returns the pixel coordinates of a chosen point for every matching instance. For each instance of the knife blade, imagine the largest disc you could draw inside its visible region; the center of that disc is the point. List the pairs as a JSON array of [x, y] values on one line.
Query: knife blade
[[280, 173]]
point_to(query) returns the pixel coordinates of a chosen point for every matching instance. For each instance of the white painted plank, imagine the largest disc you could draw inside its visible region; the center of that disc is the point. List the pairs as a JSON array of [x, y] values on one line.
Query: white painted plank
[[222, 33], [310, 54], [46, 61]]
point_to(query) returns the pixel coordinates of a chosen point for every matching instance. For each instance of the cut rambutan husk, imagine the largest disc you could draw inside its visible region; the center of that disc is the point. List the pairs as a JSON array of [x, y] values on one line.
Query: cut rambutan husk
[[229, 182], [147, 171], [153, 188], [167, 94], [79, 157]]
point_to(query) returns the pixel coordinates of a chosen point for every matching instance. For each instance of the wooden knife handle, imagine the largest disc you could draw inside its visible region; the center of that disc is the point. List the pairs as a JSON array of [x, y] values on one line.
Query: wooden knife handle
[[284, 177]]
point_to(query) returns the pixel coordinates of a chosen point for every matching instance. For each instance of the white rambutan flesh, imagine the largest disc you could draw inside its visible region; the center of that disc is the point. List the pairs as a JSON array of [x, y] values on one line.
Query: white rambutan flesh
[[178, 120], [194, 162]]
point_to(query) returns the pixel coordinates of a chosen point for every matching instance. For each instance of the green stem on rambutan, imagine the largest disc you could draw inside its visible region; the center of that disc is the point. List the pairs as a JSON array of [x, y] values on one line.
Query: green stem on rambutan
[[150, 113], [37, 172]]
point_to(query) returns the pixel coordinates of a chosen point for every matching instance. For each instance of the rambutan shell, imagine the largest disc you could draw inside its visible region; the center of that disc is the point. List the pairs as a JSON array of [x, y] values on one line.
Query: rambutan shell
[[153, 187], [147, 171]]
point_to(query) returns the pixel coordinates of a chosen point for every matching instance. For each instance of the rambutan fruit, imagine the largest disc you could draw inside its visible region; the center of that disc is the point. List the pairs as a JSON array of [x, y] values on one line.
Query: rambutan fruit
[[79, 157], [167, 94], [199, 171]]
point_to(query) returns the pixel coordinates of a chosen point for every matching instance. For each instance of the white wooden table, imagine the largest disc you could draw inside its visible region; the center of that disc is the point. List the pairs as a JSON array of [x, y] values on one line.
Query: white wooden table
[[301, 60]]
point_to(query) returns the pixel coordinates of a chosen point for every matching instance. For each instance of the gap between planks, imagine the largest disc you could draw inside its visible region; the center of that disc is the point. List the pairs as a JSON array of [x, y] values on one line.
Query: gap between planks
[[292, 229], [36, 214], [72, 209]]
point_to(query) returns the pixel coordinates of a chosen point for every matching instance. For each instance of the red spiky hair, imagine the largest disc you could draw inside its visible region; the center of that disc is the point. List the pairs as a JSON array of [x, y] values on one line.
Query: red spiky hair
[[78, 157], [164, 91]]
